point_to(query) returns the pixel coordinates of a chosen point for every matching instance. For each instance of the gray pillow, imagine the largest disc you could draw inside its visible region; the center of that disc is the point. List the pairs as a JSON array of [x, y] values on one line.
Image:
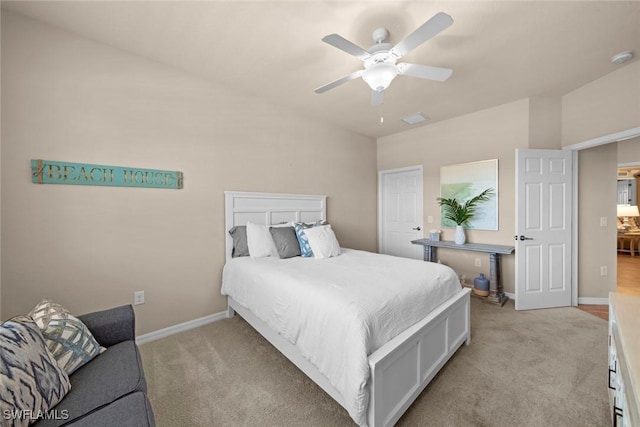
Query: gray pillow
[[286, 241], [239, 235]]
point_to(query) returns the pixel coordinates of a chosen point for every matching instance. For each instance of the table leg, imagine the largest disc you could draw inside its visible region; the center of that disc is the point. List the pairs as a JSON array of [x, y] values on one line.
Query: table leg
[[496, 294], [430, 254], [620, 244]]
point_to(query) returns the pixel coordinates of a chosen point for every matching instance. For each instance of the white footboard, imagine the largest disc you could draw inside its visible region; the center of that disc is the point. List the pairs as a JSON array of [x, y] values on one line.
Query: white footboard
[[400, 369], [403, 367]]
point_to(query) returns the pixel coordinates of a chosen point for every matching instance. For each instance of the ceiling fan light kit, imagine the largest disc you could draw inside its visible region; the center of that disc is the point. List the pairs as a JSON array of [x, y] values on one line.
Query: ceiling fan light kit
[[379, 61], [379, 76]]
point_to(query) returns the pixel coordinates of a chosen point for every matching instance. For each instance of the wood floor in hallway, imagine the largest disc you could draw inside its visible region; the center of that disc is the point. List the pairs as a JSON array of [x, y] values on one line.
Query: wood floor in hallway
[[629, 274]]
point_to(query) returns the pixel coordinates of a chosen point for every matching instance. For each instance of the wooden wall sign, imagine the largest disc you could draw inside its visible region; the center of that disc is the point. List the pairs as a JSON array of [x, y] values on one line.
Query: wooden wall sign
[[52, 172]]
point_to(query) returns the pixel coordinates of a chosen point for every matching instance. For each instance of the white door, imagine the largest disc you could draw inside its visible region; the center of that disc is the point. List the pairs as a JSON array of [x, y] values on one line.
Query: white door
[[401, 212], [543, 228]]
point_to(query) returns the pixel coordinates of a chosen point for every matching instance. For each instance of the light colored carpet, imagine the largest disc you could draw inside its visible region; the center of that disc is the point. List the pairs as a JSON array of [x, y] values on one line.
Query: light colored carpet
[[528, 368]]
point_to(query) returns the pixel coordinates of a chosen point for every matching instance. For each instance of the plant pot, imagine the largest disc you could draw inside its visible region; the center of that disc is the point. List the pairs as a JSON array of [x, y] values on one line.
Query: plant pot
[[460, 236]]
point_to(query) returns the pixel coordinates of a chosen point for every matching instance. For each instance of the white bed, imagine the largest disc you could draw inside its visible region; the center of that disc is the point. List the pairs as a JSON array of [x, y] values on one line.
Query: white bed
[[390, 348]]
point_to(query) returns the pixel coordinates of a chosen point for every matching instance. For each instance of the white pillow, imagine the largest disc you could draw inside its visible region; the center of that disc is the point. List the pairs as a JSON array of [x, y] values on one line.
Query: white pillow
[[260, 242], [323, 241]]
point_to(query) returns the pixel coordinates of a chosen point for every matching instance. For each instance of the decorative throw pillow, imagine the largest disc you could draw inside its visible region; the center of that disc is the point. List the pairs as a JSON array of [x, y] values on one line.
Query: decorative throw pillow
[[239, 236], [68, 339], [300, 228], [323, 242], [260, 242], [286, 241], [31, 382]]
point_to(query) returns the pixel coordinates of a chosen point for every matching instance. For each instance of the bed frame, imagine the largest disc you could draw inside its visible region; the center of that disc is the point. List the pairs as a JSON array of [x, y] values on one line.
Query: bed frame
[[400, 369]]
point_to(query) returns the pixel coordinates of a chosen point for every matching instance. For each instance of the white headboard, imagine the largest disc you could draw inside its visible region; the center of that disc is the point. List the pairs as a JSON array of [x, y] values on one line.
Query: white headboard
[[269, 208]]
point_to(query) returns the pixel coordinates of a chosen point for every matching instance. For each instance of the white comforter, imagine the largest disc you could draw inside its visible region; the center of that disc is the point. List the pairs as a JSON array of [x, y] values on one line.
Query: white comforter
[[339, 310]]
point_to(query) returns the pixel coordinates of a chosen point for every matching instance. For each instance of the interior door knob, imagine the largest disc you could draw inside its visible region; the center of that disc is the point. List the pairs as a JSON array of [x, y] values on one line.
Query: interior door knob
[[417, 228], [525, 238]]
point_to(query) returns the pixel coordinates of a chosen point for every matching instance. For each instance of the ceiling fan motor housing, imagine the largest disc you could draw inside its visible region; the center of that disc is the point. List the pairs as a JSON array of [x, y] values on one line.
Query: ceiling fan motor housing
[[380, 35]]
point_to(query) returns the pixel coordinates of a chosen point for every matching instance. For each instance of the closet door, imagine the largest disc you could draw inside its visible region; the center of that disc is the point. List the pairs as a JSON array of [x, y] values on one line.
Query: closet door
[[400, 212]]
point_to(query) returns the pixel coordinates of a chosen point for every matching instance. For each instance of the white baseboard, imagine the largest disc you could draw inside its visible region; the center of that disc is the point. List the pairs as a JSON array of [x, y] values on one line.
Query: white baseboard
[[181, 327], [581, 300], [593, 301]]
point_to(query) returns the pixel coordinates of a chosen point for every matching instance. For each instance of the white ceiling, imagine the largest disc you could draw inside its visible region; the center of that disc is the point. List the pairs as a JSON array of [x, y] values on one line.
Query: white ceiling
[[499, 51]]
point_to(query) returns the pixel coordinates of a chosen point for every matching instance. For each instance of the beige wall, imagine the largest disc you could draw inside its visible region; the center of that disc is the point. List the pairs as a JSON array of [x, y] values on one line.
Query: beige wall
[[597, 198], [544, 122], [629, 151], [66, 98], [608, 105], [494, 133]]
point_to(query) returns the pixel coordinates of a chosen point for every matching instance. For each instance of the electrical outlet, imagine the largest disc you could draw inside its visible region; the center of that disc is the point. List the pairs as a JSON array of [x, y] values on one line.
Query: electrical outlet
[[138, 298], [478, 262], [603, 221], [430, 219], [603, 270]]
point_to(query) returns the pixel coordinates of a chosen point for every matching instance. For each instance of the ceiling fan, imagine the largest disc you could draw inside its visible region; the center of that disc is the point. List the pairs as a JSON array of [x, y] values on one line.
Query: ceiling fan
[[380, 66]]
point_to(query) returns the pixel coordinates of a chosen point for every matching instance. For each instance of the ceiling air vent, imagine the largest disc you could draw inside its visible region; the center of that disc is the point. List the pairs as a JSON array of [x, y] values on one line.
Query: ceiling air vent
[[415, 118]]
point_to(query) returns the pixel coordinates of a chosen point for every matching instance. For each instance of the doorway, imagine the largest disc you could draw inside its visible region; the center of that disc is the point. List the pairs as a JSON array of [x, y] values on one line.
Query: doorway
[[628, 251], [609, 248]]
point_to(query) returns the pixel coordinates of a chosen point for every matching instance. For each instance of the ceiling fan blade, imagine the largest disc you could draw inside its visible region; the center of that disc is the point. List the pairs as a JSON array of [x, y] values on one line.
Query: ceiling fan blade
[[376, 97], [345, 45], [424, 71], [427, 30], [338, 82]]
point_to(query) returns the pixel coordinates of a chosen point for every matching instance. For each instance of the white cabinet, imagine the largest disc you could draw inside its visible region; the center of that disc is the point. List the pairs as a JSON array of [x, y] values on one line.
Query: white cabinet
[[624, 359]]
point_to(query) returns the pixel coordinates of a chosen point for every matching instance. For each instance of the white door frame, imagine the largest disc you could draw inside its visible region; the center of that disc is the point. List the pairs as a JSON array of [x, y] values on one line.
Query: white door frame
[[574, 231], [601, 140], [380, 181]]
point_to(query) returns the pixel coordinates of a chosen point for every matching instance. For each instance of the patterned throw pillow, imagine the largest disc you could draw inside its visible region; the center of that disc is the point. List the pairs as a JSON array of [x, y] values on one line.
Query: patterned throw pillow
[[305, 248], [31, 382], [68, 339]]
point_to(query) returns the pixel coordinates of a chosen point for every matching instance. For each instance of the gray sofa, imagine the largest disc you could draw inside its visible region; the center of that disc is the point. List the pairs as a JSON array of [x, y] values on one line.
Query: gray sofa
[[111, 389]]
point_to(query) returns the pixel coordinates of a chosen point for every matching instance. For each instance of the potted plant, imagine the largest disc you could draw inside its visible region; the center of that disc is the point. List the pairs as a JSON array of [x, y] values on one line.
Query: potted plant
[[461, 213]]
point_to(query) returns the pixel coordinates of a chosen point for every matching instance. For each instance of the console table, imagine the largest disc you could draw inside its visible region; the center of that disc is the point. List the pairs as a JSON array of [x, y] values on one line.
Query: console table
[[496, 294]]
